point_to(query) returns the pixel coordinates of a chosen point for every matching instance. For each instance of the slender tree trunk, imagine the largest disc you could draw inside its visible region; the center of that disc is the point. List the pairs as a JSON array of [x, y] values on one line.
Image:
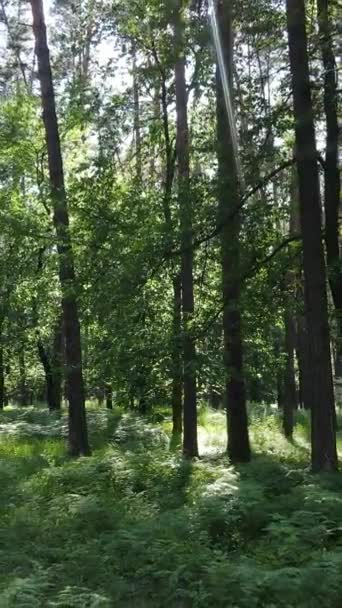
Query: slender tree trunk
[[52, 364], [323, 439], [100, 396], [109, 396], [78, 435], [45, 361], [176, 353], [2, 372], [280, 389], [290, 392], [177, 389], [297, 295], [332, 181], [57, 361], [303, 358], [23, 394], [229, 193], [279, 379], [50, 357], [190, 444], [152, 150], [136, 104]]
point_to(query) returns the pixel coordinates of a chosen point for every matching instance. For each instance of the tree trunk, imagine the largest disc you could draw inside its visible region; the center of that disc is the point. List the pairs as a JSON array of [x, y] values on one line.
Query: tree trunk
[[23, 394], [297, 295], [109, 396], [302, 345], [323, 439], [176, 352], [2, 373], [280, 389], [52, 364], [136, 106], [78, 435], [45, 361], [332, 182], [57, 361], [290, 392], [177, 389], [190, 444], [229, 194]]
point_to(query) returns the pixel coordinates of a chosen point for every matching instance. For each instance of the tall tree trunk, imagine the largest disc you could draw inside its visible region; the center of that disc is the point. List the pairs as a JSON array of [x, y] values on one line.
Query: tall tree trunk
[[57, 361], [302, 353], [45, 361], [51, 356], [290, 392], [190, 444], [297, 297], [136, 107], [177, 388], [2, 371], [51, 360], [23, 393], [176, 352], [301, 337], [109, 396], [229, 194], [332, 181], [280, 389], [78, 435], [323, 439]]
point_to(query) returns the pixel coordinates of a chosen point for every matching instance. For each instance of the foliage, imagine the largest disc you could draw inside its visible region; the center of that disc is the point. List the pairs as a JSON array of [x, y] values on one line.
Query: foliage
[[138, 526]]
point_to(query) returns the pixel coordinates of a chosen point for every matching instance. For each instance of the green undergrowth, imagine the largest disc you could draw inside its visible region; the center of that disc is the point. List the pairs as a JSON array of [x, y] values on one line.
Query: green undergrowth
[[137, 526]]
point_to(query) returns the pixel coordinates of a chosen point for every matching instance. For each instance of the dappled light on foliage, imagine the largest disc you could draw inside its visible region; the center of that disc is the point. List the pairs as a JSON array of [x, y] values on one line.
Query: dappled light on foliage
[[136, 525], [170, 304]]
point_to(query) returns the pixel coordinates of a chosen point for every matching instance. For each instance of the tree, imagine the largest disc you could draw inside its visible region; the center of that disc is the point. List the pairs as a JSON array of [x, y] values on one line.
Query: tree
[[229, 197], [176, 349], [290, 389], [52, 361], [323, 440], [190, 446], [332, 180], [78, 436]]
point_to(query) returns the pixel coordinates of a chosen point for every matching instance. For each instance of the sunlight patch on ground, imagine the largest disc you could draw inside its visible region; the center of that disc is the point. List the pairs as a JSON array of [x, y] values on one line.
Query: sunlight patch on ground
[[212, 434]]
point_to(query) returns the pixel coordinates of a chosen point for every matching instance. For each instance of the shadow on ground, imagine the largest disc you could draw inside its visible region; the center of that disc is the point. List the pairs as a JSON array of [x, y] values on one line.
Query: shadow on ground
[[136, 525]]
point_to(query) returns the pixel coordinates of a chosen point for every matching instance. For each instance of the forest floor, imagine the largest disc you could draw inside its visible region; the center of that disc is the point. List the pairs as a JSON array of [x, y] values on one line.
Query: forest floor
[[137, 526]]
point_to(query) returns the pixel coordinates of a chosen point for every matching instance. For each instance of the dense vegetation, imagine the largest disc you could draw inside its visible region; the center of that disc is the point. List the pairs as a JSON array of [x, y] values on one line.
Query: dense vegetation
[[137, 525], [170, 303]]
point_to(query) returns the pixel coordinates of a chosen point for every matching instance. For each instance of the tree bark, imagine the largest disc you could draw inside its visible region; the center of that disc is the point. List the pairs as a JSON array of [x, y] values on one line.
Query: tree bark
[[177, 388], [57, 361], [332, 181], [52, 364], [109, 396], [44, 358], [297, 295], [290, 392], [229, 194], [2, 372], [23, 393], [176, 351], [305, 397], [190, 443], [136, 106], [78, 435], [323, 439]]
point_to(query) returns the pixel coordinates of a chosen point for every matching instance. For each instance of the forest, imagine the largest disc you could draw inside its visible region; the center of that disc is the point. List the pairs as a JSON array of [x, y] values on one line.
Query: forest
[[170, 304]]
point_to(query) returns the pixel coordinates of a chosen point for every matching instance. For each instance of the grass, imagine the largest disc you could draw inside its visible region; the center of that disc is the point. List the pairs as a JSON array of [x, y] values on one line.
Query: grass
[[137, 526]]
